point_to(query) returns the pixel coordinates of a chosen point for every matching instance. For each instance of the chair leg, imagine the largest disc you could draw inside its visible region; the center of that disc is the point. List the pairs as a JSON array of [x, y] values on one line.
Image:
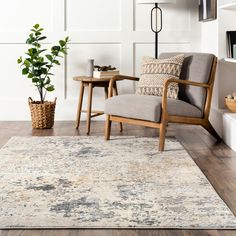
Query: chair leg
[[211, 130], [108, 128], [162, 137]]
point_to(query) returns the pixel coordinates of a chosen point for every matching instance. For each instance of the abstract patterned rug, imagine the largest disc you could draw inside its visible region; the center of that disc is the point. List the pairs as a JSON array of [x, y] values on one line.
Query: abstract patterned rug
[[85, 182]]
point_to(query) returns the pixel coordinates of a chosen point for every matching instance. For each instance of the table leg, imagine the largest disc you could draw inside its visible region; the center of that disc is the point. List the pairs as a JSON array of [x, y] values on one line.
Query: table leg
[[116, 94], [106, 92], [80, 105], [89, 108]]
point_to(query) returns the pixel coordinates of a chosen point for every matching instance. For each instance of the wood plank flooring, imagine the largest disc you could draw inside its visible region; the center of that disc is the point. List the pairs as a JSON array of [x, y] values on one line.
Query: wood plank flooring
[[216, 161]]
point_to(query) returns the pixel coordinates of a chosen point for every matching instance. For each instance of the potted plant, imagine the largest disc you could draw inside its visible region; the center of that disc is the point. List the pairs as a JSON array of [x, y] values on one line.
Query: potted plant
[[37, 67]]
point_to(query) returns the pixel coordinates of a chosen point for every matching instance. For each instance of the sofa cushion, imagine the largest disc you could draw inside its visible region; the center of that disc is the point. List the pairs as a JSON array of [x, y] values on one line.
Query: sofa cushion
[[196, 67], [155, 72], [147, 107]]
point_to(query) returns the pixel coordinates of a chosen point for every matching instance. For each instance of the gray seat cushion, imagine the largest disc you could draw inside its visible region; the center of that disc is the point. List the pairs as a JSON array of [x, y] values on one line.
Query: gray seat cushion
[[196, 67], [147, 107]]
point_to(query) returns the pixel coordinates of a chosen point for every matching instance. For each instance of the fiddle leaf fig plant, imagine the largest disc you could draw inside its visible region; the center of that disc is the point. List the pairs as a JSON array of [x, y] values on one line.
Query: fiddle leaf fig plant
[[38, 63]]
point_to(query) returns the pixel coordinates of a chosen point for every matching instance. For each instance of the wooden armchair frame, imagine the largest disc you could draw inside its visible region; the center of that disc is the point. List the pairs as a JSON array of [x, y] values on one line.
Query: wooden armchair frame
[[165, 117]]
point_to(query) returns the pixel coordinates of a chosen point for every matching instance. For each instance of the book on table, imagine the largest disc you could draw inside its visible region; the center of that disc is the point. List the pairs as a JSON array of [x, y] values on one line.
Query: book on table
[[105, 74]]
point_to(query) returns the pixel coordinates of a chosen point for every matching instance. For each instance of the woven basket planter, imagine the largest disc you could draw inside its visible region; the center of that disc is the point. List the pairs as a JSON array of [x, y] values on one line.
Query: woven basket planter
[[42, 114], [230, 104]]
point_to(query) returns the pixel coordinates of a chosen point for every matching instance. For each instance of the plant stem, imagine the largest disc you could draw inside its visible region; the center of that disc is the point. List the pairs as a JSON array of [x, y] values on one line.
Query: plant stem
[[41, 95], [50, 66], [40, 88], [44, 95]]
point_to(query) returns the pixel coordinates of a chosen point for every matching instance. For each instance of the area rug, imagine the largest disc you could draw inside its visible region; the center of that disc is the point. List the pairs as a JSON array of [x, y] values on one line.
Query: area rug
[[85, 182]]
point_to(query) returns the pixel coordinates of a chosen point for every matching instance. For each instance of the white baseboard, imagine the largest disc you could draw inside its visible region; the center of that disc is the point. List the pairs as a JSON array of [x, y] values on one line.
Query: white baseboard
[[216, 119], [225, 124], [229, 130], [18, 110]]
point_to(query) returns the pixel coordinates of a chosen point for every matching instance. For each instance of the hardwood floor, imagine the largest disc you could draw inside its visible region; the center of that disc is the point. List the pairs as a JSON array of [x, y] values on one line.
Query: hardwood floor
[[216, 161]]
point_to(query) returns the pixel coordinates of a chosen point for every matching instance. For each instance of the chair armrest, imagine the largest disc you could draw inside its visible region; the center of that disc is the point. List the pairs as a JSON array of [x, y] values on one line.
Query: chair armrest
[[178, 81], [118, 78], [187, 82]]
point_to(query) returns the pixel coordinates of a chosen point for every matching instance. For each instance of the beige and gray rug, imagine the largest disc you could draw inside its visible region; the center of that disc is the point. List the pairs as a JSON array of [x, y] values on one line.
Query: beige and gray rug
[[85, 182]]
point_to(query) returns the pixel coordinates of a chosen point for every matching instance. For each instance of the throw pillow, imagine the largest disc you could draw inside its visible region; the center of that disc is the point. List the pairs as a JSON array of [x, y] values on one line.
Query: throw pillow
[[155, 72]]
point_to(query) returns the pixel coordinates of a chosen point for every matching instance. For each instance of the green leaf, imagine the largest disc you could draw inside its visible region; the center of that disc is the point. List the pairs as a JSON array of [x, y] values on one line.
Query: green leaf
[[38, 72], [36, 26], [25, 71], [55, 53], [42, 38], [35, 80], [64, 51], [38, 33], [32, 51], [43, 50], [49, 66], [30, 75], [56, 48], [41, 59], [48, 81], [28, 59], [27, 63], [49, 57], [39, 64], [19, 61], [56, 62], [50, 88], [28, 41], [62, 43], [44, 71]]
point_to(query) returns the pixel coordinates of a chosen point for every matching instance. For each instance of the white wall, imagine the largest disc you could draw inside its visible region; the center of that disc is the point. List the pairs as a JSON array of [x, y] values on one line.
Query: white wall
[[210, 44], [113, 32], [214, 41]]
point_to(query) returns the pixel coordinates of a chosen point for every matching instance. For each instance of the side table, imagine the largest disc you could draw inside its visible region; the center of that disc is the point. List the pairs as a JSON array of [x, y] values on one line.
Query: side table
[[91, 83]]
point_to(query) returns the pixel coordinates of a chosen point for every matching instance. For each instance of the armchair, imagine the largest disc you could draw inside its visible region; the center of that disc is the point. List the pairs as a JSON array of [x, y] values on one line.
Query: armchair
[[193, 106]]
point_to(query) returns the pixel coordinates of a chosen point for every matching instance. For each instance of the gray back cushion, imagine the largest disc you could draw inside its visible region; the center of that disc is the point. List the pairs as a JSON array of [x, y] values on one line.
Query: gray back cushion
[[196, 67]]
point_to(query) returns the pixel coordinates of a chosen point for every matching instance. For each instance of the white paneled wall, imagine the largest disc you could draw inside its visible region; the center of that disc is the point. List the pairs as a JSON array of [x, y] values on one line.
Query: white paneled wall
[[115, 32]]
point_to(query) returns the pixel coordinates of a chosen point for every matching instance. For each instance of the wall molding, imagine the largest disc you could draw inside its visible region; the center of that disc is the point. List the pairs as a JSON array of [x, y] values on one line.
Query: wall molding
[[122, 47]]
